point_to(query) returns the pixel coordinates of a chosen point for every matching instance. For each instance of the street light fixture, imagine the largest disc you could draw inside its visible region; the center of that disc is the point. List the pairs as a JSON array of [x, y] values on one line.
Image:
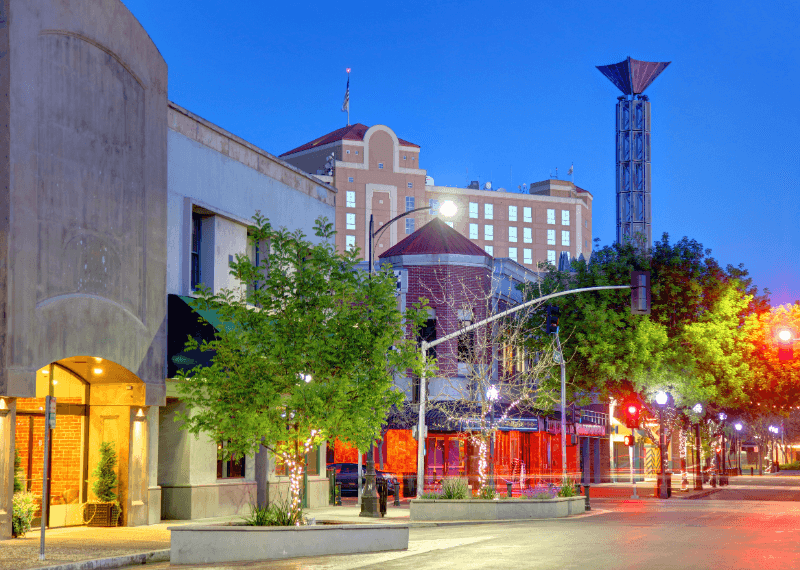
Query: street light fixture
[[492, 394], [698, 475], [370, 506], [738, 426], [661, 400]]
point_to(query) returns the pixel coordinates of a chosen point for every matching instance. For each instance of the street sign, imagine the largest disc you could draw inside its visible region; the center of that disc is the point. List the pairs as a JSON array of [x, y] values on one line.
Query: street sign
[[51, 412], [557, 357]]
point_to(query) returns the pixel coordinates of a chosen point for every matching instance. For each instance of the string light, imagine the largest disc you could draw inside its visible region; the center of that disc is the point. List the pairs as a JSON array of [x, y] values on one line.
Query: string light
[[296, 473]]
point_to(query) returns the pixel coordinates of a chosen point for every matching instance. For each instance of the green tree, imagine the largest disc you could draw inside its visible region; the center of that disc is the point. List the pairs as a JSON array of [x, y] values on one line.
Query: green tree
[[17, 466], [307, 352], [105, 475]]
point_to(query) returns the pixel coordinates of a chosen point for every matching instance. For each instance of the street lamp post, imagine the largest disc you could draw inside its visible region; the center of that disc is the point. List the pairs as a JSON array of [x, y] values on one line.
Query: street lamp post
[[738, 427], [370, 506], [492, 394], [698, 476], [723, 478], [661, 400]]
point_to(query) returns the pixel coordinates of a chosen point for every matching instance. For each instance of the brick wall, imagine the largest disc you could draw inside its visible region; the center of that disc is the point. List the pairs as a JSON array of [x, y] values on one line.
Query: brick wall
[[66, 463]]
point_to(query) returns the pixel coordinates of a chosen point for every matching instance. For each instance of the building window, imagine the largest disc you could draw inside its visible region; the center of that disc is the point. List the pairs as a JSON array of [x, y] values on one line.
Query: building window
[[347, 152], [488, 232], [351, 221], [526, 235], [410, 184], [512, 233], [466, 343], [473, 210], [449, 224], [586, 243], [351, 199], [197, 223], [512, 213], [380, 165], [585, 223], [409, 225], [526, 215], [551, 256], [512, 253], [349, 242], [488, 211], [356, 153], [409, 203], [404, 157], [551, 216], [526, 256], [564, 237], [551, 237], [434, 204], [489, 249], [230, 469], [564, 217], [473, 231], [349, 178]]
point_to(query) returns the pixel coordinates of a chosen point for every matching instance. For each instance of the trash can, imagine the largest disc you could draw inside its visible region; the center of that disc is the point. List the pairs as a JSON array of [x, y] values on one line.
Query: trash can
[[409, 485], [383, 492]]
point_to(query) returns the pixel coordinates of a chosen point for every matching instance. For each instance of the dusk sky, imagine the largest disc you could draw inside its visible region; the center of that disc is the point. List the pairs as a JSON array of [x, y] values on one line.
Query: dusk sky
[[507, 93]]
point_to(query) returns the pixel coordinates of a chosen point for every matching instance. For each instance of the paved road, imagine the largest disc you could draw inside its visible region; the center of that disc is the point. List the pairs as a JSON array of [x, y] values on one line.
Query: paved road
[[626, 535]]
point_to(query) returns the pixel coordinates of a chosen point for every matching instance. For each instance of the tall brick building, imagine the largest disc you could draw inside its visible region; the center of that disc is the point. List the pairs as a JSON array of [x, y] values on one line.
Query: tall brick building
[[379, 174]]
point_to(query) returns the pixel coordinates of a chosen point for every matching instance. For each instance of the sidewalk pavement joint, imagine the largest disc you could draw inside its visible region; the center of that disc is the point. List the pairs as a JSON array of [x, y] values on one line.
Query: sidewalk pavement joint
[[115, 562]]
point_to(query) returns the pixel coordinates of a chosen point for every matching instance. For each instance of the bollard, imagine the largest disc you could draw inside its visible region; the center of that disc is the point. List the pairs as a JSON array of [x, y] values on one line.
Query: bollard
[[751, 472], [396, 493], [634, 496], [508, 488], [586, 492]]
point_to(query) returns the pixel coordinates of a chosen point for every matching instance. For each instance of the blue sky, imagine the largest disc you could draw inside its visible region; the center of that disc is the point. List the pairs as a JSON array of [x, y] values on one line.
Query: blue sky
[[507, 92]]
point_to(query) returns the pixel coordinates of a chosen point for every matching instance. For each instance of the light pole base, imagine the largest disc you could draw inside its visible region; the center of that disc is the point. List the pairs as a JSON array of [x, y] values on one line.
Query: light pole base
[[370, 507], [634, 496]]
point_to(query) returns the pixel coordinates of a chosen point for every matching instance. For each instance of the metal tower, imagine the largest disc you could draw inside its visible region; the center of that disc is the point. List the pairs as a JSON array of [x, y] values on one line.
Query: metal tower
[[632, 77]]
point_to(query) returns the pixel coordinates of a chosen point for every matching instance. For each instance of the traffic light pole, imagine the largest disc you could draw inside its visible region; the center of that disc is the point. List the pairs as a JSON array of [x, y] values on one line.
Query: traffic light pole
[[563, 411], [424, 346]]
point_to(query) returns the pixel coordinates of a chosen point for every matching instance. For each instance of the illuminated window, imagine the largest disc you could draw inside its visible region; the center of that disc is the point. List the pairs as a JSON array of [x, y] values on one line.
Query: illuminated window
[[564, 217], [489, 249], [434, 204], [409, 225], [351, 199], [551, 216], [512, 213], [526, 235], [512, 233], [526, 215], [512, 253], [527, 256], [488, 211], [351, 221], [409, 203], [230, 469], [551, 256], [488, 232], [473, 231], [473, 209], [551, 237], [564, 237], [349, 242]]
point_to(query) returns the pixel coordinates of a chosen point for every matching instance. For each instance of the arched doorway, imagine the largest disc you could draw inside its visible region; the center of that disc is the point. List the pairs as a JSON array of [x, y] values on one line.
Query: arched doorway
[[97, 400]]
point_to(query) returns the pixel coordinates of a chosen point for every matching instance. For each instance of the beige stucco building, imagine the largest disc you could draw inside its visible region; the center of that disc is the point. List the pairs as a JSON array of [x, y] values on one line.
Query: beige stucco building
[[377, 173]]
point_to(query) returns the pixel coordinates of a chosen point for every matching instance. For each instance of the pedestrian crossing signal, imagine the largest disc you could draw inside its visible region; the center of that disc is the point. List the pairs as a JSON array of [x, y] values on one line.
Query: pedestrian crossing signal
[[630, 440], [640, 292], [551, 324]]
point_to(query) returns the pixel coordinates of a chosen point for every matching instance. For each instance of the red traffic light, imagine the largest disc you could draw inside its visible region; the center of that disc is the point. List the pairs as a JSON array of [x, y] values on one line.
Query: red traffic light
[[630, 440], [632, 416]]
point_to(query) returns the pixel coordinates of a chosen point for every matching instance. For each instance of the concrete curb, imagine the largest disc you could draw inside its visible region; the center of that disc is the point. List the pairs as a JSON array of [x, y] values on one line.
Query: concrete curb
[[115, 562], [428, 524]]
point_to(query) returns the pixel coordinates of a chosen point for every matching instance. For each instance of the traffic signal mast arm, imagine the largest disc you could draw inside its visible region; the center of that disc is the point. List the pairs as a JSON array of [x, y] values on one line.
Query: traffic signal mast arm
[[426, 345]]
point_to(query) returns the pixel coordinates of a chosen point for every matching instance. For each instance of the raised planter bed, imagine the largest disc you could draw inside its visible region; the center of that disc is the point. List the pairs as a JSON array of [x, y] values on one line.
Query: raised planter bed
[[200, 544], [494, 510]]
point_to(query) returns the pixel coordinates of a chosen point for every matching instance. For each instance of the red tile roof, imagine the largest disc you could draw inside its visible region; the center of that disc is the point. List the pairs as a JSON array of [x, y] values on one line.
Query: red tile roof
[[352, 133], [435, 237]]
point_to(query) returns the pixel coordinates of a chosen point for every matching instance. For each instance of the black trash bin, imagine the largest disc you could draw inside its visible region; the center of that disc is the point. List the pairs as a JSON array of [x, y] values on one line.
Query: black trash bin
[[410, 485]]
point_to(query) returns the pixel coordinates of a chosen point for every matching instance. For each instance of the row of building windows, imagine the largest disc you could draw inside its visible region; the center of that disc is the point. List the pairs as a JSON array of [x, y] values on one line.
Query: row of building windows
[[527, 214], [527, 234]]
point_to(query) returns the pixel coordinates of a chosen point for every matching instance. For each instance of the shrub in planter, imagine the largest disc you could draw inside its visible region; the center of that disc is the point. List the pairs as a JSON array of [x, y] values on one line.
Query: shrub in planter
[[105, 511], [22, 515], [487, 492], [567, 488], [540, 491], [17, 465], [455, 488], [278, 513]]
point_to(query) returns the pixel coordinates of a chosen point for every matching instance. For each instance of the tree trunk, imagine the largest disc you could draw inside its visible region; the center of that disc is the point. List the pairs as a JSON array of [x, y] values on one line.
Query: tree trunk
[[682, 438]]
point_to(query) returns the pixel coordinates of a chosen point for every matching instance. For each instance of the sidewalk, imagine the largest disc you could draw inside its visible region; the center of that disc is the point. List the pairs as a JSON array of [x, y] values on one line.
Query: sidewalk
[[90, 548]]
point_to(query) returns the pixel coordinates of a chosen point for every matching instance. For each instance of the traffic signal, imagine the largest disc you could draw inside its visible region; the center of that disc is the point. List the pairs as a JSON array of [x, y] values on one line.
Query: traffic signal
[[632, 416], [551, 323], [640, 292], [630, 440]]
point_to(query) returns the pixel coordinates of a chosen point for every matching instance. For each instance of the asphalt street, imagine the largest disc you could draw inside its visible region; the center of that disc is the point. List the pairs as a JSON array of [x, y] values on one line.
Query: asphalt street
[[718, 534]]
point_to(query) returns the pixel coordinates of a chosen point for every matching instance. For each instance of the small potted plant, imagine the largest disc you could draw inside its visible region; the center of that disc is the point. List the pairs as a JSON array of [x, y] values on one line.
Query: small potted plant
[[105, 510]]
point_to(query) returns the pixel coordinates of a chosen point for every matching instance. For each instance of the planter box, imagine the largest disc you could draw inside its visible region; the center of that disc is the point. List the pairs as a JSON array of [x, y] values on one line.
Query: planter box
[[101, 514], [491, 510], [197, 544]]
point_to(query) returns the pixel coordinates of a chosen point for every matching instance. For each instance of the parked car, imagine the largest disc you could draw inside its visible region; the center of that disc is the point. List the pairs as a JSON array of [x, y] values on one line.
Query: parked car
[[346, 475]]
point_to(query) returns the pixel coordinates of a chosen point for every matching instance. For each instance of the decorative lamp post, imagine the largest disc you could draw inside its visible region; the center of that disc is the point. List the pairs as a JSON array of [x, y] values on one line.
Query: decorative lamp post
[[773, 453], [661, 400], [698, 476], [738, 426], [370, 506], [492, 394], [723, 478]]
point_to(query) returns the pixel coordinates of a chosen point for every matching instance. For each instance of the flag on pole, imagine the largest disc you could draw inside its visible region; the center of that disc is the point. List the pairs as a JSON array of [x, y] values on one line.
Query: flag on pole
[[570, 169], [346, 104]]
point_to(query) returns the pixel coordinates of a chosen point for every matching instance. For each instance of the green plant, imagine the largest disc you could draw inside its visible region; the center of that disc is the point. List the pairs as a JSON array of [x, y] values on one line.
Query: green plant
[[455, 488], [106, 477], [432, 495], [487, 492], [17, 465], [22, 515], [278, 513], [793, 466], [567, 488]]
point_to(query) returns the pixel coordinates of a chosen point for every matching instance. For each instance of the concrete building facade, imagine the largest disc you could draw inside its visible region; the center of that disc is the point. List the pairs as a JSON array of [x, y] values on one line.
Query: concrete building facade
[[379, 174]]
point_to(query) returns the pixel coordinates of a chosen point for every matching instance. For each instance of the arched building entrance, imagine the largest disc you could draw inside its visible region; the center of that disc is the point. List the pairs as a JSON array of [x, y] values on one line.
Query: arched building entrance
[[97, 400]]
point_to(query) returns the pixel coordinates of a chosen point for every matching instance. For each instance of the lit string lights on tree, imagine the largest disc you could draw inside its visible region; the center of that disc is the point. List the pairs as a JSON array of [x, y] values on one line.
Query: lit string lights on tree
[[295, 468]]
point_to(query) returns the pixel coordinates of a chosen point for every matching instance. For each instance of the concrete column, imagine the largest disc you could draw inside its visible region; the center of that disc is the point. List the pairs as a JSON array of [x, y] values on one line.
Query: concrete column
[[597, 461], [8, 417], [153, 488], [261, 461]]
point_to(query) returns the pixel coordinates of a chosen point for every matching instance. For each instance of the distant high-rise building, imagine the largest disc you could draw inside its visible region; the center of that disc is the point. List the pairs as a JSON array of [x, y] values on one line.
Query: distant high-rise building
[[632, 77]]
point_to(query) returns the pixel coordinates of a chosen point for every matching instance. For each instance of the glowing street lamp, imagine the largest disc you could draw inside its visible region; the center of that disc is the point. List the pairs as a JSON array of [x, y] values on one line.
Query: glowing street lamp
[[492, 394], [698, 475], [661, 400]]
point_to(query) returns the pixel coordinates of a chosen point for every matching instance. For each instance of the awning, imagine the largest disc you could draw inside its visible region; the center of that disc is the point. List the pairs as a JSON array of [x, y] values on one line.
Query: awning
[[457, 416], [183, 322]]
